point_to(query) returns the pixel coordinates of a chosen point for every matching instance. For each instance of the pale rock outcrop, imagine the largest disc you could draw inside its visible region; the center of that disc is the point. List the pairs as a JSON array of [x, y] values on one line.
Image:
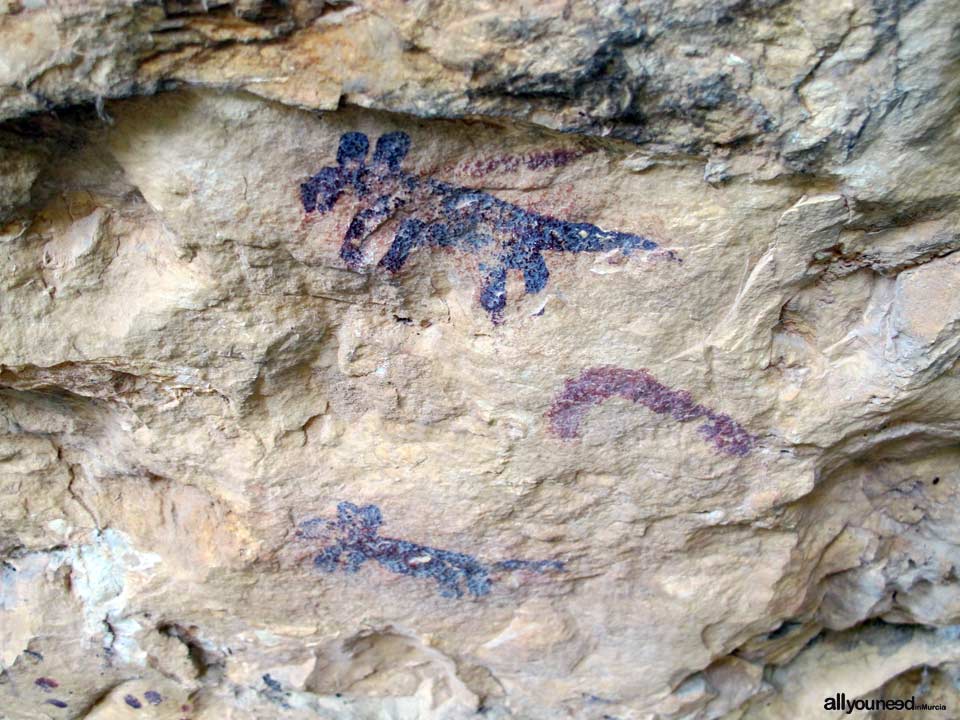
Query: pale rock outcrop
[[450, 359]]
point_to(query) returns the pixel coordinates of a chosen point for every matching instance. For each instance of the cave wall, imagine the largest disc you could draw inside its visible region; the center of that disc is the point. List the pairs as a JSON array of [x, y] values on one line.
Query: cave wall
[[443, 359]]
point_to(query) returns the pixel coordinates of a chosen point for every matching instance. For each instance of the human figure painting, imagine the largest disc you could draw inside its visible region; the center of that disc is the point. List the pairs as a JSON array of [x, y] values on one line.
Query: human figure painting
[[432, 213]]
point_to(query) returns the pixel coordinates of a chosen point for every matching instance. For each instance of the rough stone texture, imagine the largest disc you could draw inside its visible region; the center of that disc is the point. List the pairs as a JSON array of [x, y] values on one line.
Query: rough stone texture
[[210, 419]]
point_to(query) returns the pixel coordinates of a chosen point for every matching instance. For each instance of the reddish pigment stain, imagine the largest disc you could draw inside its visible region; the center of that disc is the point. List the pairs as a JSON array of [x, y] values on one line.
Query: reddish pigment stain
[[598, 384], [511, 163], [46, 684]]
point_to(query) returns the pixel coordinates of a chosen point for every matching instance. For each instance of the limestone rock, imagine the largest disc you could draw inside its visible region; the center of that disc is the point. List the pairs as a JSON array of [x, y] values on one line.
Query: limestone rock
[[509, 360]]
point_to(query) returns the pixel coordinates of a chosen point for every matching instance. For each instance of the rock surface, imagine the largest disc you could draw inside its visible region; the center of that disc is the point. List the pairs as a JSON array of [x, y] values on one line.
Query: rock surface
[[453, 359]]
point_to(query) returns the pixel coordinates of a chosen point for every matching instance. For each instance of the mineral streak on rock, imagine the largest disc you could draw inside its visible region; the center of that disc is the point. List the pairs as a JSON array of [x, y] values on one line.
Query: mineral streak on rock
[[595, 385], [358, 539], [502, 235]]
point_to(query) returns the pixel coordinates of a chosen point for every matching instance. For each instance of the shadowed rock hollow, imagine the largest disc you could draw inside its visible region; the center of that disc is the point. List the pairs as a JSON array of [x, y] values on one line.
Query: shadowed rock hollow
[[441, 360]]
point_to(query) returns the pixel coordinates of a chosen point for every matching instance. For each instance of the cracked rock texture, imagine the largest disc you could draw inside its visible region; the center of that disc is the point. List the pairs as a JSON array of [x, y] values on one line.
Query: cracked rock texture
[[244, 474]]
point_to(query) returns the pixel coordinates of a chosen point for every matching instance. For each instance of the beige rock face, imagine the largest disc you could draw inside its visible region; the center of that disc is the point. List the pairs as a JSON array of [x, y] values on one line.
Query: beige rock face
[[616, 378]]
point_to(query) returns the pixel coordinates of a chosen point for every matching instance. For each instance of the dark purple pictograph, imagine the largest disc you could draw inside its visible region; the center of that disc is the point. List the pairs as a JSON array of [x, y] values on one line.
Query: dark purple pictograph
[[356, 538], [511, 163], [46, 684], [432, 213], [595, 385]]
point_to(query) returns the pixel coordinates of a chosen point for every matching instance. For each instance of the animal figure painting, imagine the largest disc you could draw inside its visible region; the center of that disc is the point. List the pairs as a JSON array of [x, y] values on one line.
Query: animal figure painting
[[433, 213], [356, 539]]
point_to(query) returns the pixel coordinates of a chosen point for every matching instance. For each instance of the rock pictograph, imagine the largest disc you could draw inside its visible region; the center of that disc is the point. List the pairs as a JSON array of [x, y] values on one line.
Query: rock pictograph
[[446, 360], [437, 214]]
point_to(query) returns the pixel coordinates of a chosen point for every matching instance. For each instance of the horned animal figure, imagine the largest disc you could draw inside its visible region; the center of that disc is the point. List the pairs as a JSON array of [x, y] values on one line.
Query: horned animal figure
[[432, 213]]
